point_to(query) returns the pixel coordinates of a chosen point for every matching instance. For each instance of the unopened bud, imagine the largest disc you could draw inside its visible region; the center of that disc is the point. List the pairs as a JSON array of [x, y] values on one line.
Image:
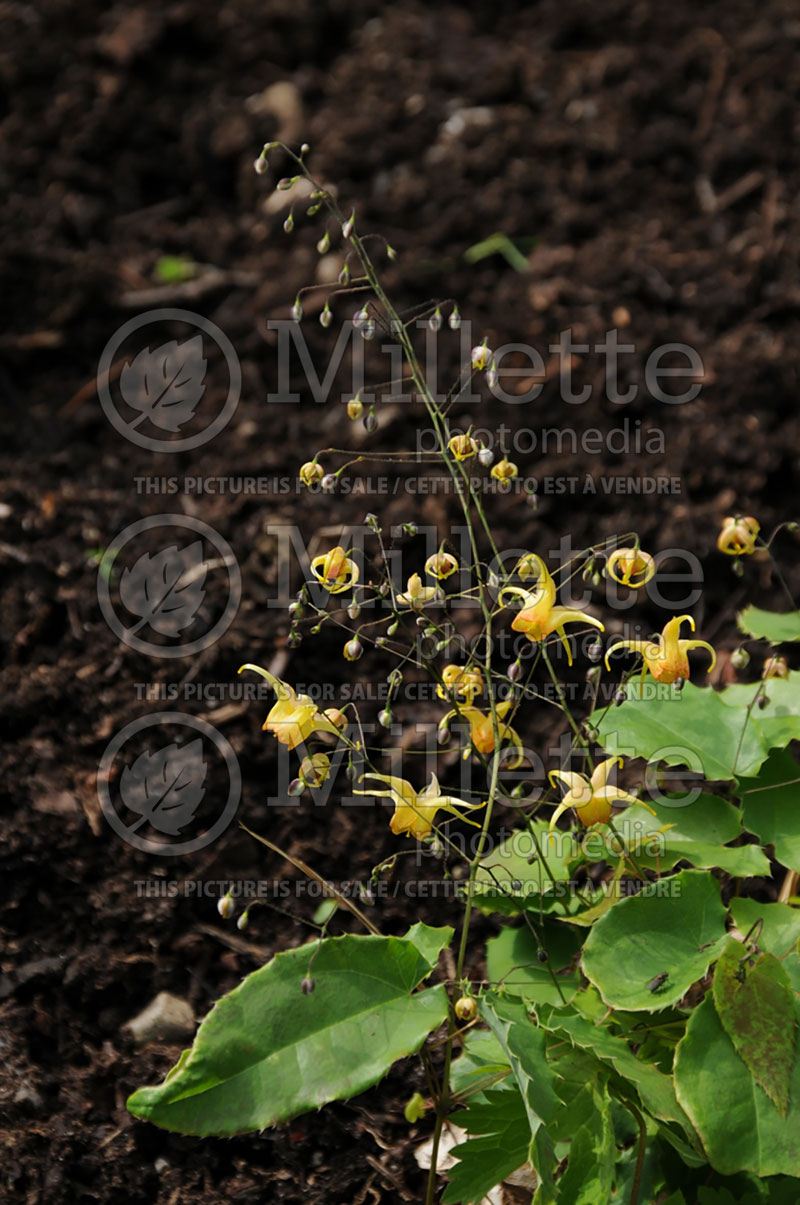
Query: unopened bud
[[391, 253], [740, 658], [349, 226], [368, 330], [288, 225], [295, 610], [542, 955], [595, 651], [360, 318], [763, 700], [486, 456], [385, 718], [491, 376], [466, 1009], [435, 320], [304, 149], [285, 183], [226, 906], [354, 610], [324, 244], [353, 650], [515, 670], [260, 165], [619, 697], [355, 408], [410, 529], [344, 275], [297, 311], [294, 639], [243, 921], [454, 321], [443, 735], [328, 483], [307, 986], [371, 423], [295, 787], [326, 317]]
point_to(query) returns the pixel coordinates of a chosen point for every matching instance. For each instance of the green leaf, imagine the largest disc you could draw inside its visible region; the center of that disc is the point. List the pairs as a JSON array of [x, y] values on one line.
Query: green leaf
[[780, 931], [267, 1052], [484, 1162], [482, 1061], [654, 1089], [511, 960], [674, 928], [707, 730], [699, 834], [517, 875], [524, 1045], [754, 1002], [776, 627], [739, 1125], [589, 1173], [770, 807]]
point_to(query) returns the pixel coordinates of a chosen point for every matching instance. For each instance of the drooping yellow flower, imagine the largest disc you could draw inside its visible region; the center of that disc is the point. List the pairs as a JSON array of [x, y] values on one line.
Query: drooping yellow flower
[[504, 470], [666, 657], [466, 683], [540, 617], [738, 535], [294, 717], [315, 770], [416, 595], [591, 798], [479, 357], [335, 570], [630, 567], [463, 447], [481, 730], [311, 473], [414, 811], [441, 565]]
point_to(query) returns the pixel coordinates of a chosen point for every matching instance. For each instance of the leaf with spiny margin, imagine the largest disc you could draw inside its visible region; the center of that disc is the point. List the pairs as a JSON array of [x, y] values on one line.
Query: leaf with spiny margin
[[501, 1146], [753, 999], [267, 1052]]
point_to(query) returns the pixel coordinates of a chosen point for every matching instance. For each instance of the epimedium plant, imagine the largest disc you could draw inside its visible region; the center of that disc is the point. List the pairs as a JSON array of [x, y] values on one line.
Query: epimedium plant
[[634, 1036]]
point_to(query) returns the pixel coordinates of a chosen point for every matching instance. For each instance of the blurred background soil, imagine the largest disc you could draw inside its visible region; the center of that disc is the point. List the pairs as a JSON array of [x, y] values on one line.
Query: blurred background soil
[[643, 158]]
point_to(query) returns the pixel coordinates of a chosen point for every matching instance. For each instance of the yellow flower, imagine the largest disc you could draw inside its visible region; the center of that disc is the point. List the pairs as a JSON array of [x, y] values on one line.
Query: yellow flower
[[630, 567], [590, 797], [464, 682], [314, 770], [355, 408], [479, 357], [335, 570], [775, 667], [416, 595], [738, 535], [481, 729], [441, 565], [294, 717], [463, 447], [665, 657], [414, 810], [504, 470], [311, 473], [540, 617]]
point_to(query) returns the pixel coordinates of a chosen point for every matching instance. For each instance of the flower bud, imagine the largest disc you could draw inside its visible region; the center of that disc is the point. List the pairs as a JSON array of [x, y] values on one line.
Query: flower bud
[[294, 639], [740, 658], [285, 184], [385, 718], [542, 955], [368, 330], [360, 318], [370, 423], [344, 275], [775, 667], [243, 921], [355, 408], [454, 321], [226, 907], [352, 650], [392, 628], [466, 1008], [354, 610], [491, 376], [311, 473], [435, 320], [324, 244], [763, 700], [595, 651], [295, 610], [297, 311], [304, 149], [391, 253], [410, 529], [485, 457], [295, 787], [288, 225], [515, 670], [443, 735], [307, 986], [620, 696], [329, 483], [371, 521], [260, 165], [326, 317], [349, 225]]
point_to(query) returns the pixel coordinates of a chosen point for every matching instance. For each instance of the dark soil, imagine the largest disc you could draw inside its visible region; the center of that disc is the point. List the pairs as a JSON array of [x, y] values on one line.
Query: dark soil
[[644, 155]]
